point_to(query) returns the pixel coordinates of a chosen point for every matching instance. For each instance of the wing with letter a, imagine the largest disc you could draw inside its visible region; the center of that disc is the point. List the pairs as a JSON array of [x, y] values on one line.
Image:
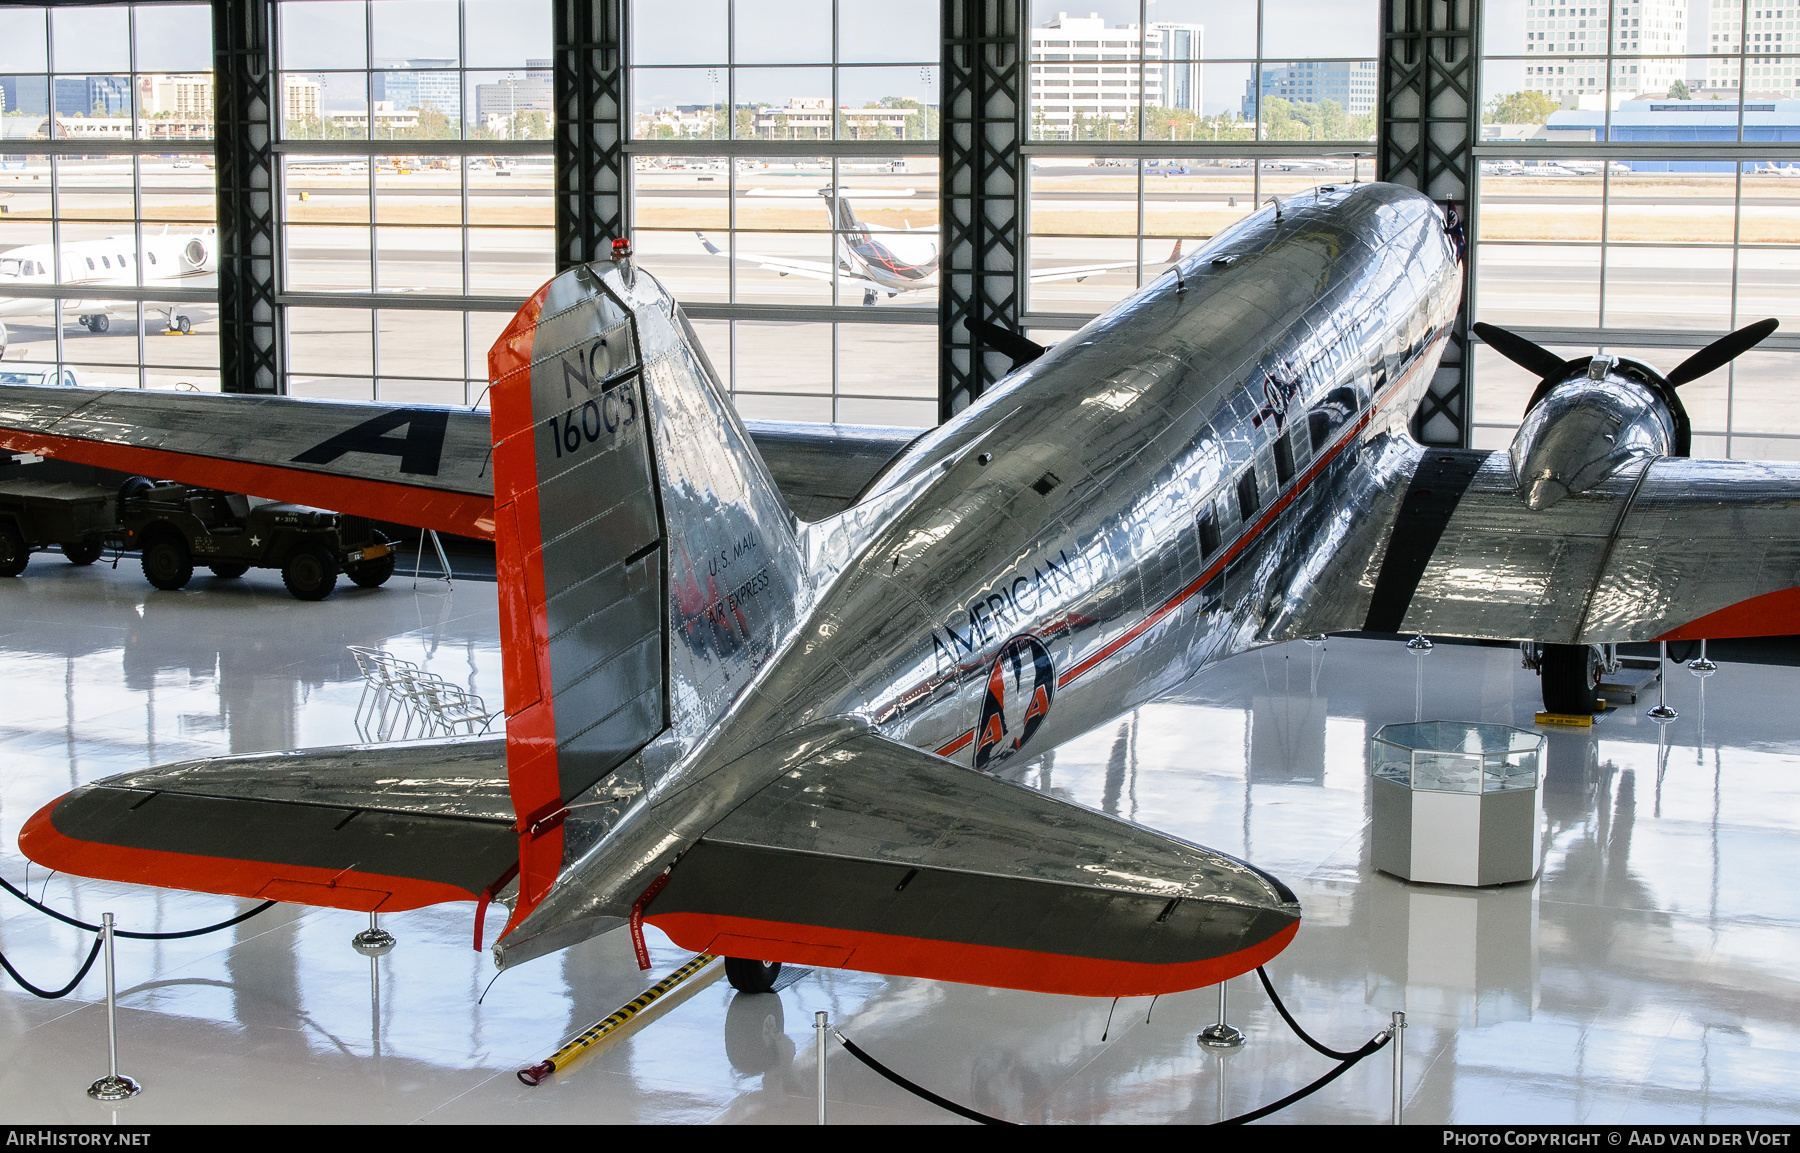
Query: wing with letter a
[[421, 465], [875, 856]]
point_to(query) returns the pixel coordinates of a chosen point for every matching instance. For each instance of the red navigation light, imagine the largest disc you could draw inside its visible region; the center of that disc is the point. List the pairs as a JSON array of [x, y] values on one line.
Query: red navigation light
[[621, 248]]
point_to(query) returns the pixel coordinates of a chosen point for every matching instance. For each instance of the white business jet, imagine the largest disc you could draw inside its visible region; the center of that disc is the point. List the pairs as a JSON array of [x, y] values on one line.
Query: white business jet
[[111, 260]]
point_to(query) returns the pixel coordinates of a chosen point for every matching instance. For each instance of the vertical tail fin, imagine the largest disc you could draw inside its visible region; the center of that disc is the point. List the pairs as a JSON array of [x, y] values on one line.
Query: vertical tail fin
[[647, 563]]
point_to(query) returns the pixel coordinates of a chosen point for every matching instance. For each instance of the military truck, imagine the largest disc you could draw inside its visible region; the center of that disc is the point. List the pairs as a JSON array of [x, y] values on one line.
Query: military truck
[[178, 526]]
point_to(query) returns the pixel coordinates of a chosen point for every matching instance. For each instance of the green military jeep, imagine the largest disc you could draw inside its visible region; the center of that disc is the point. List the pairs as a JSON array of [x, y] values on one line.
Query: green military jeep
[[178, 526]]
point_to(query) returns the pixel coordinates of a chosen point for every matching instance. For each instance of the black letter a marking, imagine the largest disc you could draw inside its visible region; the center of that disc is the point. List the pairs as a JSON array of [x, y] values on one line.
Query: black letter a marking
[[418, 452]]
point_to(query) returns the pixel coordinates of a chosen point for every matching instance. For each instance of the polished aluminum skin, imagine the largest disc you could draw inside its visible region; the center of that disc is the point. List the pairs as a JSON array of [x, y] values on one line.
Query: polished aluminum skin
[[1037, 565], [1584, 431]]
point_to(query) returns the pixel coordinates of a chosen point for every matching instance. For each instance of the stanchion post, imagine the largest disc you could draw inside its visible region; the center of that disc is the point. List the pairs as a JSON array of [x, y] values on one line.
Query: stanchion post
[[1221, 1035], [819, 1031], [1397, 1040], [115, 1086], [1661, 713]]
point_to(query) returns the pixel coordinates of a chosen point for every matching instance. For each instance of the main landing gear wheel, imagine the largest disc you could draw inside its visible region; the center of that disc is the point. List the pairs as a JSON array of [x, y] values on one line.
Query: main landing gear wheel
[[183, 325], [81, 551], [230, 571], [310, 573], [167, 563], [751, 976], [97, 323], [1570, 676]]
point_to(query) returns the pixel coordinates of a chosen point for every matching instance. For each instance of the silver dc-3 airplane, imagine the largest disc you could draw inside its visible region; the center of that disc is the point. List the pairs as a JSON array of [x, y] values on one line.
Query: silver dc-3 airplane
[[759, 680], [880, 260]]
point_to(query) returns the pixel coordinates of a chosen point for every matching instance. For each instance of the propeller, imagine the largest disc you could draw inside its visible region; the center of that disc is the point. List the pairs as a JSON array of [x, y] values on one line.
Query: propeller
[[1537, 359], [1549, 367], [1533, 358], [1722, 351]]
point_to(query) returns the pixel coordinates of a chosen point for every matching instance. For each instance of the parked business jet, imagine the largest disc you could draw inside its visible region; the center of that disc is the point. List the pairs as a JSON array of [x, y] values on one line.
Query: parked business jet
[[882, 260], [111, 260]]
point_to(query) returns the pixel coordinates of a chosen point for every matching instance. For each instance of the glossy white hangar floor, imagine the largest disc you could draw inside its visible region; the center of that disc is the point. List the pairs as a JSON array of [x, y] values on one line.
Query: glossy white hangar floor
[[1651, 974]]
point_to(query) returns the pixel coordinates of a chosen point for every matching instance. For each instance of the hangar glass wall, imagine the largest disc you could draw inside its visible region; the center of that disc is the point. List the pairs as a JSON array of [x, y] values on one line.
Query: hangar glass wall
[[107, 205], [1638, 192], [417, 208], [1157, 121], [784, 185]]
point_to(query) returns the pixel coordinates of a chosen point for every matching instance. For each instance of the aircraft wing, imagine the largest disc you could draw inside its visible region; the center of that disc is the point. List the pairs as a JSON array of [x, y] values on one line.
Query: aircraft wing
[[425, 466], [370, 827], [872, 855], [420, 465], [810, 269], [1670, 550]]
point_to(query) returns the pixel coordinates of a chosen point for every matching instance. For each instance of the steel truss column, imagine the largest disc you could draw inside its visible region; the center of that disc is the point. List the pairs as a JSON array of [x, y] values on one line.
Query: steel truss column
[[590, 129], [981, 121], [1430, 122], [244, 164]]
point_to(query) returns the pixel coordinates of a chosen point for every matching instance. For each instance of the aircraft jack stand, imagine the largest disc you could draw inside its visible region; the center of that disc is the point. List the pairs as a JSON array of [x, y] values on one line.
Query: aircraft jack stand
[[1220, 1036], [374, 941]]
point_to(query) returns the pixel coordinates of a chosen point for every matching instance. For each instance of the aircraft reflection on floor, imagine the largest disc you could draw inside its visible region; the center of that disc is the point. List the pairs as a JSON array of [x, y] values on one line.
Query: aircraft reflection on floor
[[1648, 973]]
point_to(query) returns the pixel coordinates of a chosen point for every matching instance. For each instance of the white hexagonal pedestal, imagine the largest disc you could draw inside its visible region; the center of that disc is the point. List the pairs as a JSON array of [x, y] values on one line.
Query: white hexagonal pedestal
[[1456, 803]]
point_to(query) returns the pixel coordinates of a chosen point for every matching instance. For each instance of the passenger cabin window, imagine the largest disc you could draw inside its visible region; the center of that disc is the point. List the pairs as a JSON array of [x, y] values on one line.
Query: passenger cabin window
[[90, 261], [152, 258], [1284, 459], [105, 261], [1248, 501], [1331, 414], [1209, 533]]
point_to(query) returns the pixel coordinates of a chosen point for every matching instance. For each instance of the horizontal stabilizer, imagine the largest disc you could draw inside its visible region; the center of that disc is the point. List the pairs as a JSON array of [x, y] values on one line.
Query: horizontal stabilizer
[[875, 856], [361, 827]]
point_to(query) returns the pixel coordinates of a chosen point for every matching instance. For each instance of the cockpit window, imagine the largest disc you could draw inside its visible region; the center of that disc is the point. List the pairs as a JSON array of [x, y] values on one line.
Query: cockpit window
[[12, 267]]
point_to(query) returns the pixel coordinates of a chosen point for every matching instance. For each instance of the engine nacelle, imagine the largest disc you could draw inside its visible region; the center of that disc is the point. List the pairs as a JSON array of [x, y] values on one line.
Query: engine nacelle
[[1584, 428]]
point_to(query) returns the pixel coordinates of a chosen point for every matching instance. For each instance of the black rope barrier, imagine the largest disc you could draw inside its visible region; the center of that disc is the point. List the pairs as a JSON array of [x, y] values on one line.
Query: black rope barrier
[[1345, 1060], [58, 994], [916, 1090], [1375, 1043], [126, 933], [1334, 1054]]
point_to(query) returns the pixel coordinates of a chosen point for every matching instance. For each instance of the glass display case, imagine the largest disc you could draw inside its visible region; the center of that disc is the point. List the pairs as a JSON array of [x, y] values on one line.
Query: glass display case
[[1456, 802]]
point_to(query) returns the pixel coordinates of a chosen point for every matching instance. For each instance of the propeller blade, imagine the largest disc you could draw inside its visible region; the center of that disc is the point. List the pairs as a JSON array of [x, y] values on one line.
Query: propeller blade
[[1534, 358], [1007, 342], [1722, 351]]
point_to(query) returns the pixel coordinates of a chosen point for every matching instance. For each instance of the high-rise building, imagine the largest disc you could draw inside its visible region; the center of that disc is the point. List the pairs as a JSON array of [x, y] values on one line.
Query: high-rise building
[[1351, 83], [183, 96], [1082, 69], [1760, 40], [299, 97], [1645, 42]]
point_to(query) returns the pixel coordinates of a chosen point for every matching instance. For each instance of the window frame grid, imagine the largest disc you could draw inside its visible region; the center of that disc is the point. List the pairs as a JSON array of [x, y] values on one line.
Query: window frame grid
[[371, 150], [1738, 152]]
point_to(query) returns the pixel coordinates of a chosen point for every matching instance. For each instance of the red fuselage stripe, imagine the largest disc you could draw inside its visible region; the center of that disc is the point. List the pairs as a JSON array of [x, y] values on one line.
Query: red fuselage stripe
[[954, 961], [1243, 542]]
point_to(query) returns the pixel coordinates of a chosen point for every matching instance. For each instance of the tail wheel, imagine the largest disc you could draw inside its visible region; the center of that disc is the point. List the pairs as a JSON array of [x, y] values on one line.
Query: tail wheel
[[81, 551], [1570, 674], [752, 976], [310, 573], [14, 556], [167, 563]]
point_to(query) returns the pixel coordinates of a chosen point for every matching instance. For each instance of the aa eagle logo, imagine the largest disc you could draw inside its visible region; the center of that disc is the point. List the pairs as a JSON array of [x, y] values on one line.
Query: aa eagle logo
[[1020, 687]]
